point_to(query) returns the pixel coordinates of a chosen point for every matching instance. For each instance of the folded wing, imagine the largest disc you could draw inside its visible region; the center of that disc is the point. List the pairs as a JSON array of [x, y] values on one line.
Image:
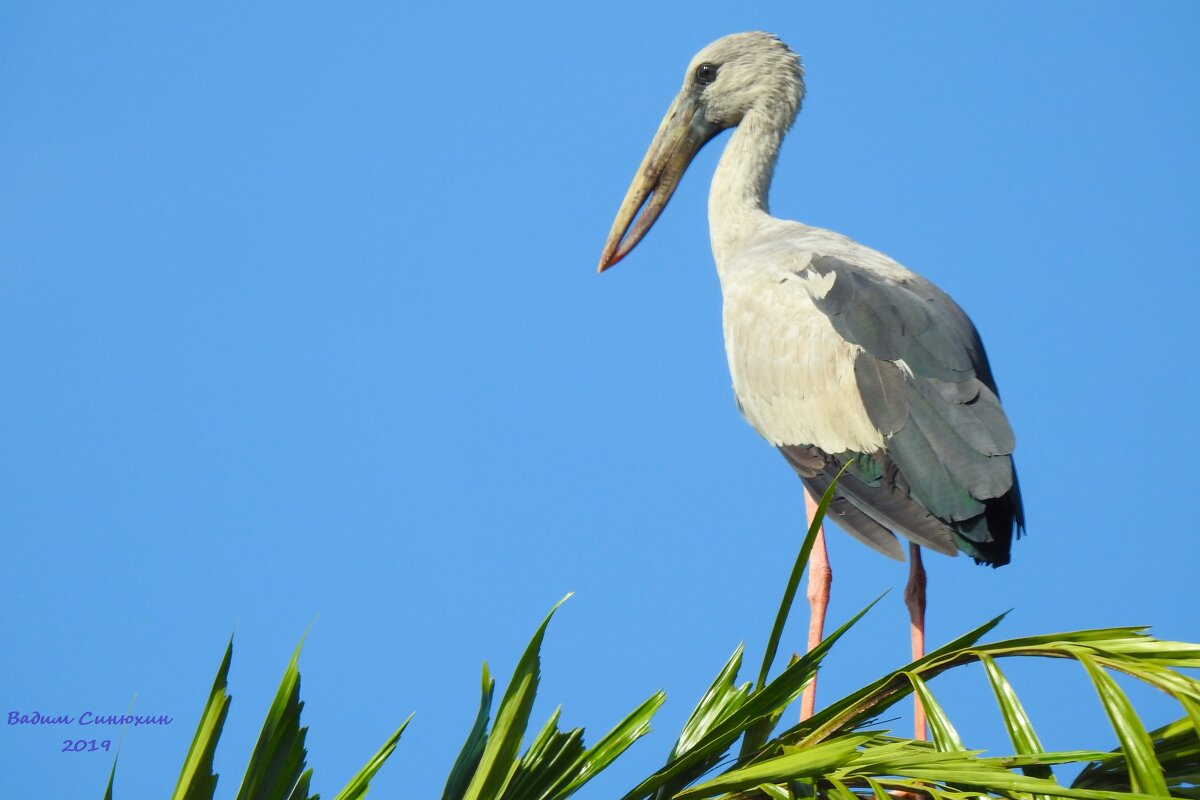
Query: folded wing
[[945, 478]]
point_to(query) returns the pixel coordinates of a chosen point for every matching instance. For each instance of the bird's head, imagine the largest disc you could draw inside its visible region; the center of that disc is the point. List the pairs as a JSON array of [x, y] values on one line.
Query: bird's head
[[745, 75], [744, 71]]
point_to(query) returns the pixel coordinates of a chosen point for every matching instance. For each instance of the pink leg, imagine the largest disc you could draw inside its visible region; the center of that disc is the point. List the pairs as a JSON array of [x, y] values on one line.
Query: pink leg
[[820, 577], [914, 598]]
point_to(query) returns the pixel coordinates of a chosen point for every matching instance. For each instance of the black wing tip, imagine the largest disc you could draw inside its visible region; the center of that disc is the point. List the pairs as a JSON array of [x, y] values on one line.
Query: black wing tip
[[1001, 524]]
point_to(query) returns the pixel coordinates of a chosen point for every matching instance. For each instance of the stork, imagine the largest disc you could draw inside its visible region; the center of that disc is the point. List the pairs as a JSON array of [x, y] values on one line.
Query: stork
[[840, 357]]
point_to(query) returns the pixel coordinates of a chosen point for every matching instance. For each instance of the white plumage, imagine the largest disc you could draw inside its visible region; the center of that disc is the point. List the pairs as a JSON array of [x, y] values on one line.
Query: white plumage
[[837, 353], [839, 356], [793, 375]]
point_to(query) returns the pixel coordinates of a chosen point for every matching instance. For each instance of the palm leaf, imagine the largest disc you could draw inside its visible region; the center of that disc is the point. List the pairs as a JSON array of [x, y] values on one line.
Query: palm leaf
[[1127, 650], [793, 584], [498, 762], [197, 779], [1168, 760], [556, 763], [277, 765], [472, 750], [1177, 750], [945, 737], [720, 701], [809, 762], [277, 769], [112, 774], [358, 785], [872, 765], [544, 763], [591, 762], [875, 698], [738, 717], [773, 792], [1145, 774], [1016, 722], [829, 754]]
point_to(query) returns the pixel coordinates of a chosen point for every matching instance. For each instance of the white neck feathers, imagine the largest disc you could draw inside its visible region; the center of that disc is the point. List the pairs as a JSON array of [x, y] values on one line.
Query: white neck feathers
[[737, 201]]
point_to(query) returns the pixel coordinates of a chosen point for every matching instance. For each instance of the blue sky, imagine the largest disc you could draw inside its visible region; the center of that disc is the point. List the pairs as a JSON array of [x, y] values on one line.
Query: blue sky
[[302, 328]]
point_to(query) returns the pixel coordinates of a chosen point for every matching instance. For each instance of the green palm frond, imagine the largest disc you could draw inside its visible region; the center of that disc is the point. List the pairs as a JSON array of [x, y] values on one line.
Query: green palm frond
[[277, 769], [498, 762], [472, 750], [832, 755], [839, 753], [277, 765], [1127, 650], [1176, 747], [873, 765], [556, 763], [729, 714], [112, 774], [197, 779], [793, 583], [358, 785]]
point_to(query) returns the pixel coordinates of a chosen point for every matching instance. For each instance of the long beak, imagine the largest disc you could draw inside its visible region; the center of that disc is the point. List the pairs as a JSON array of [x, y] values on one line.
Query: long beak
[[683, 131]]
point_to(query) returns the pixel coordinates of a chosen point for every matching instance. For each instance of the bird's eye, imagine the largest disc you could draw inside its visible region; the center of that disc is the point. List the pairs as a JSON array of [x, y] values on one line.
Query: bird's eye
[[706, 74]]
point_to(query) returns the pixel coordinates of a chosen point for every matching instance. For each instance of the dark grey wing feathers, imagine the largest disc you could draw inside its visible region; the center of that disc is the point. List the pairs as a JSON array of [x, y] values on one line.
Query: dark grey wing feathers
[[864, 313], [870, 507], [946, 426], [914, 321], [884, 393], [975, 413], [947, 437], [815, 468]]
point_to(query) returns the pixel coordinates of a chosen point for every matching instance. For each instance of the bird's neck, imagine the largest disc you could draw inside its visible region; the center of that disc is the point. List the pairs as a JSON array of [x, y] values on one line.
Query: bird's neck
[[737, 201]]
